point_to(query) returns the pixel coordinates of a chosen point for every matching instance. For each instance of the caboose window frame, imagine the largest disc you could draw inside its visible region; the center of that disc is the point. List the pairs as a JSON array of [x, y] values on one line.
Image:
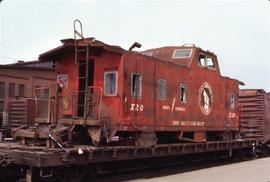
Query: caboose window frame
[[183, 93], [232, 101], [179, 57], [136, 94], [206, 62], [162, 90], [116, 83]]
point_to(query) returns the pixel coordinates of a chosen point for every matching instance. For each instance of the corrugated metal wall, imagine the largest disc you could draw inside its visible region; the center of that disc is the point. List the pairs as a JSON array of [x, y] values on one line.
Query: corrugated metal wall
[[254, 114]]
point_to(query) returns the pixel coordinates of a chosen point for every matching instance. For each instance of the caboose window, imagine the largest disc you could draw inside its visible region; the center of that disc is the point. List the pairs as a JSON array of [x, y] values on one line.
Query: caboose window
[[183, 93], [206, 61], [210, 62], [161, 89], [110, 83], [183, 53], [202, 60], [232, 102], [136, 85]]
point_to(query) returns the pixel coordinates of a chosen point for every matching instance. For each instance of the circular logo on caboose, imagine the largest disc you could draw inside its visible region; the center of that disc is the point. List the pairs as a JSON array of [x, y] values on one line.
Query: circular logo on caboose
[[206, 98]]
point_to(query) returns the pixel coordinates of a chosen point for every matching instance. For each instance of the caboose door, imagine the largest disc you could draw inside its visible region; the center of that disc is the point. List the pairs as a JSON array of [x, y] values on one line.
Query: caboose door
[[139, 92]]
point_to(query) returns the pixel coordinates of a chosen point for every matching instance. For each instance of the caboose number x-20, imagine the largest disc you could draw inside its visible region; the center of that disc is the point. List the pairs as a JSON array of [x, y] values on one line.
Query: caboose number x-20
[[108, 95]]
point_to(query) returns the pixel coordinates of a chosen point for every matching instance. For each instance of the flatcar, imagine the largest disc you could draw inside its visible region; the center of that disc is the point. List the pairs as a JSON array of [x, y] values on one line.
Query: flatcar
[[110, 104]]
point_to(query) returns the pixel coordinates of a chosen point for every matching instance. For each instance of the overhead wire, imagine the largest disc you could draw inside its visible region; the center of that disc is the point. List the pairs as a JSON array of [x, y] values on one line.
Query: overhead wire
[[7, 59], [10, 46], [16, 50]]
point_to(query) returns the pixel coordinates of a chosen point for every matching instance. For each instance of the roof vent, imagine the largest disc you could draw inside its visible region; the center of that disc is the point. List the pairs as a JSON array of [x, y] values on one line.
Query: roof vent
[[189, 45], [135, 44]]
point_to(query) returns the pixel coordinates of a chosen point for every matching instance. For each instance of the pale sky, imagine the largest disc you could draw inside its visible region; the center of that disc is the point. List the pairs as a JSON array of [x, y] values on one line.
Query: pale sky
[[238, 32]]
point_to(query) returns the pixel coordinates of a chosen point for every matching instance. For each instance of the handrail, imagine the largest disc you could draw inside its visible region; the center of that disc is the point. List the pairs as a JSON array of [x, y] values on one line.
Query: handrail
[[80, 34], [100, 99]]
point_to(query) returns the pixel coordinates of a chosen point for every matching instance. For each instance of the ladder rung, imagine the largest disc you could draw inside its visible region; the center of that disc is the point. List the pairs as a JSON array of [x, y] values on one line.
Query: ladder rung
[[81, 50]]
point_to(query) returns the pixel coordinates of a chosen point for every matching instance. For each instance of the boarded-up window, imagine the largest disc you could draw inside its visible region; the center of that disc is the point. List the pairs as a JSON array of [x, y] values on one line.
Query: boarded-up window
[[2, 89], [183, 93], [136, 85], [161, 89], [110, 83], [21, 90], [232, 101], [11, 90]]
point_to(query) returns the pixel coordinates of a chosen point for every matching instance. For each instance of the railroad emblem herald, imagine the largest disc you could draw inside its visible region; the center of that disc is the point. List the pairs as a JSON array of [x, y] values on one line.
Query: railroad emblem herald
[[206, 98]]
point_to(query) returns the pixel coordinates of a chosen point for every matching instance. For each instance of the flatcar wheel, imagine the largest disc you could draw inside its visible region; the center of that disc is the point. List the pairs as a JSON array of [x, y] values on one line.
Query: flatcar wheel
[[72, 174], [9, 179], [33, 175]]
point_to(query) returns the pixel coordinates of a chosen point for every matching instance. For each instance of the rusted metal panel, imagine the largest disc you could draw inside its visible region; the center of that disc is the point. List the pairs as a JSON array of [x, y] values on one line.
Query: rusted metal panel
[[254, 105]]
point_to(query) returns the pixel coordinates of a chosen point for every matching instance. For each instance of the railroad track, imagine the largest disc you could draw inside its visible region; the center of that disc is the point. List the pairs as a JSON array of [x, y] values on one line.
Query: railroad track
[[159, 168]]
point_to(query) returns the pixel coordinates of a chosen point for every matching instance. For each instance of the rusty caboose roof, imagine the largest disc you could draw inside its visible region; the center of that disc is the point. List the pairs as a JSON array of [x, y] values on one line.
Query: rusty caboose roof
[[161, 53], [68, 46], [167, 54]]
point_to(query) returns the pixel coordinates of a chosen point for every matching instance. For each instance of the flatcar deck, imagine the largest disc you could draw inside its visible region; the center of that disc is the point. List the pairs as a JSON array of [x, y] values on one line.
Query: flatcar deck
[[85, 154]]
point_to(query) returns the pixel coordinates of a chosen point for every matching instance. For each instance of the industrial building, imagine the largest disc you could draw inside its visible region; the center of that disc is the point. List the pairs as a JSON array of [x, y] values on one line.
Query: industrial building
[[18, 82]]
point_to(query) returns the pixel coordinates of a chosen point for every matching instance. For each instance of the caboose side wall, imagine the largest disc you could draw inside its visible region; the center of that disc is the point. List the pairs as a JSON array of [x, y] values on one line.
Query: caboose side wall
[[138, 112], [65, 67], [232, 117], [199, 76], [222, 87], [171, 114], [108, 61]]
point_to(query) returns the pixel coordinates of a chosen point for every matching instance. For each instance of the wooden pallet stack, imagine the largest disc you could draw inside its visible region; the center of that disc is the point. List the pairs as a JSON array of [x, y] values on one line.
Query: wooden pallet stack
[[17, 113]]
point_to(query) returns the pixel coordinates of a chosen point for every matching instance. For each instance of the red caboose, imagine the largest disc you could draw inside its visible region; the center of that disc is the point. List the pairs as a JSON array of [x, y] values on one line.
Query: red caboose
[[168, 93]]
